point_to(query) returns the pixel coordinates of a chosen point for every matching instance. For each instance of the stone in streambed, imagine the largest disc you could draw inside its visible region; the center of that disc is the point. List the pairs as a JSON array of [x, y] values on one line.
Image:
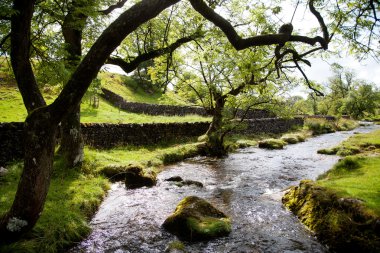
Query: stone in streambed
[[194, 219], [136, 177]]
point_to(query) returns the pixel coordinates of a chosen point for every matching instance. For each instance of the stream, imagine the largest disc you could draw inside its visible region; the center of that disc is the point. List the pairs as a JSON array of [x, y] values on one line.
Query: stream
[[246, 185]]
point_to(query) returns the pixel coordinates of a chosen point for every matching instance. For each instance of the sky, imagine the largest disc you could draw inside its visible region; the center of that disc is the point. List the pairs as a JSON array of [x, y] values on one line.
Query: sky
[[320, 70]]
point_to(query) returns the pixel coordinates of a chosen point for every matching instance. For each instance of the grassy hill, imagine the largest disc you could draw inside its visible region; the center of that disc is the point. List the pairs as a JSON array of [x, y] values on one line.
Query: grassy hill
[[12, 108]]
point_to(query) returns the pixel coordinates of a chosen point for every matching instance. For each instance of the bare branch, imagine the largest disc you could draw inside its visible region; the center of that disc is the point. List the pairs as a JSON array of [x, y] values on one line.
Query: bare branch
[[259, 40], [320, 21], [111, 8], [4, 39], [132, 65]]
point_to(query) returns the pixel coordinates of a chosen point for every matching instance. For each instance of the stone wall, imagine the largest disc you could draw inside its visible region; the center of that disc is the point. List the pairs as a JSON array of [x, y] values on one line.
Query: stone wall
[[171, 110], [111, 135], [151, 109], [271, 125]]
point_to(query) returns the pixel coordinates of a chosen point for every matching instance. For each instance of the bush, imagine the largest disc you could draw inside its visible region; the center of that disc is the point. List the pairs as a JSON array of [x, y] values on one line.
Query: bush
[[320, 126]]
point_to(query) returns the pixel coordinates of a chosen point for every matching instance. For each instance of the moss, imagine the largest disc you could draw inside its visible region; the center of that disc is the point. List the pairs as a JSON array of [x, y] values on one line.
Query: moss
[[290, 139], [328, 151], [346, 151], [175, 246], [272, 144], [344, 225], [194, 219]]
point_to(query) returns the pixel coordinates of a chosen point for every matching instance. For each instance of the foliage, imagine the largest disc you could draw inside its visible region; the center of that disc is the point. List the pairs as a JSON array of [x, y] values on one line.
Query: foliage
[[319, 126]]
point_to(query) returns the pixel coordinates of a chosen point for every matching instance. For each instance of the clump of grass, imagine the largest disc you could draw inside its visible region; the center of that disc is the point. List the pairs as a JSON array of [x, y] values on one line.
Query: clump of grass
[[328, 151], [294, 138], [346, 124], [272, 144], [319, 126]]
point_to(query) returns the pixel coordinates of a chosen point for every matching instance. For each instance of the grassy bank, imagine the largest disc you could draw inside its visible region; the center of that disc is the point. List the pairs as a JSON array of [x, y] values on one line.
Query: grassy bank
[[357, 176], [75, 194], [343, 206]]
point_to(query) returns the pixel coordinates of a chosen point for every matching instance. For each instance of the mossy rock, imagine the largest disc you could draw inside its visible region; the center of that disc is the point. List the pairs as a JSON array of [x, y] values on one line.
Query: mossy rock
[[194, 219], [272, 144], [136, 177], [343, 224], [328, 151], [290, 139], [346, 151]]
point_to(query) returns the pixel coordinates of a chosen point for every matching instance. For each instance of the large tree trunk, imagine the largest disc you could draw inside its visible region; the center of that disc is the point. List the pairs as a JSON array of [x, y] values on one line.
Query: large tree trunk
[[215, 138], [39, 139], [71, 146]]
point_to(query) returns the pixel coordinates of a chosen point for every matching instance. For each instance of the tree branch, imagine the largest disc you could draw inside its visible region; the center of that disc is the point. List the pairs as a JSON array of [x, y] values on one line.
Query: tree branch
[[260, 40], [111, 8], [132, 65]]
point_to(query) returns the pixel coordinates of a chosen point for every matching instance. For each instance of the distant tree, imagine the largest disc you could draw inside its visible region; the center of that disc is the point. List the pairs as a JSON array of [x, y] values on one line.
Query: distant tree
[[363, 101]]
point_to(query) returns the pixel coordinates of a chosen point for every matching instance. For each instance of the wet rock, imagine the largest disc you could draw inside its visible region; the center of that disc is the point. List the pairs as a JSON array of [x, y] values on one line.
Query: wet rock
[[174, 179], [194, 219], [136, 177], [3, 171], [191, 182], [180, 182]]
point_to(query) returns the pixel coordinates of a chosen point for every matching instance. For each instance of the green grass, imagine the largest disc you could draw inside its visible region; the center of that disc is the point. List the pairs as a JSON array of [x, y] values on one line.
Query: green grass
[[106, 113], [153, 156], [72, 199], [356, 144], [13, 110], [127, 88], [357, 176], [322, 126]]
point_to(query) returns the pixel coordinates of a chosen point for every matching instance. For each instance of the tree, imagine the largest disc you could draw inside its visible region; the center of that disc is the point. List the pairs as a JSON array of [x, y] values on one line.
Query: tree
[[362, 101], [42, 122]]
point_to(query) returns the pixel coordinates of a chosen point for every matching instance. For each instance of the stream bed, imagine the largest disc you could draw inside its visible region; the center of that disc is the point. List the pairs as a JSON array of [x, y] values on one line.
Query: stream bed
[[246, 185]]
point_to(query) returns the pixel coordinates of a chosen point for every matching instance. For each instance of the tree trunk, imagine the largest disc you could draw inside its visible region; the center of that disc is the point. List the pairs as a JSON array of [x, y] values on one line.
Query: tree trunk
[[71, 146], [215, 141], [39, 139]]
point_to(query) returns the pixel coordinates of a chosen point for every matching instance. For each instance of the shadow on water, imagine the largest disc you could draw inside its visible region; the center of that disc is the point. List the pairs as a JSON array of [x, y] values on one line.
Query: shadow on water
[[246, 185]]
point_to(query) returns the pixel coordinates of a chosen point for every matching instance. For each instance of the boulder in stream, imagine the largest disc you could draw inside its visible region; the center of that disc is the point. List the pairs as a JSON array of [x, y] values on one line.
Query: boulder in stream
[[136, 177], [194, 219]]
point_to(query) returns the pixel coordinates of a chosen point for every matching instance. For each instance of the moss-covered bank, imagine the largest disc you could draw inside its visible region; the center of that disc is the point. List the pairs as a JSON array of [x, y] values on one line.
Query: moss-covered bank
[[341, 223]]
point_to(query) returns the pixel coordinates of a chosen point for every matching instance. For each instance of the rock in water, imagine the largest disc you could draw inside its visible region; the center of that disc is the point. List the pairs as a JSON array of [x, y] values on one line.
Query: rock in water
[[135, 177], [194, 219]]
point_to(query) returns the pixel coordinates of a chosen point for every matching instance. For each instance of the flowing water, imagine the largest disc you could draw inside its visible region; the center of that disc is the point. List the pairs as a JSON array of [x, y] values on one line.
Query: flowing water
[[247, 186]]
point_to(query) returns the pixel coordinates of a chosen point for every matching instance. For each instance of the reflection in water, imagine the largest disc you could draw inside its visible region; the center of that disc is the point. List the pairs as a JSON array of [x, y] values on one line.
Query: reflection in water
[[246, 185]]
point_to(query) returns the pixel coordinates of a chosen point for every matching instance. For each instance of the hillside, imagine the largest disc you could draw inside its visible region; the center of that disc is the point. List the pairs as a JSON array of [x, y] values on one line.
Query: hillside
[[13, 110]]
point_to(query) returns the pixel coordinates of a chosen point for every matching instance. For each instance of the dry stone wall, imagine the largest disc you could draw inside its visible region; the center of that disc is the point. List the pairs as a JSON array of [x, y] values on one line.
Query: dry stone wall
[[171, 110], [111, 135]]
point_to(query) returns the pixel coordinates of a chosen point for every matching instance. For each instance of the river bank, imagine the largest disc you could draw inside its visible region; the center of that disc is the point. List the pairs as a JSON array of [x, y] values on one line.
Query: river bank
[[342, 207]]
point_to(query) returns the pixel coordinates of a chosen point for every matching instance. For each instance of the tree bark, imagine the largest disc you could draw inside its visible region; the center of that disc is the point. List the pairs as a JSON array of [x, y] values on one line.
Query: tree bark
[[215, 143], [39, 139], [71, 145]]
